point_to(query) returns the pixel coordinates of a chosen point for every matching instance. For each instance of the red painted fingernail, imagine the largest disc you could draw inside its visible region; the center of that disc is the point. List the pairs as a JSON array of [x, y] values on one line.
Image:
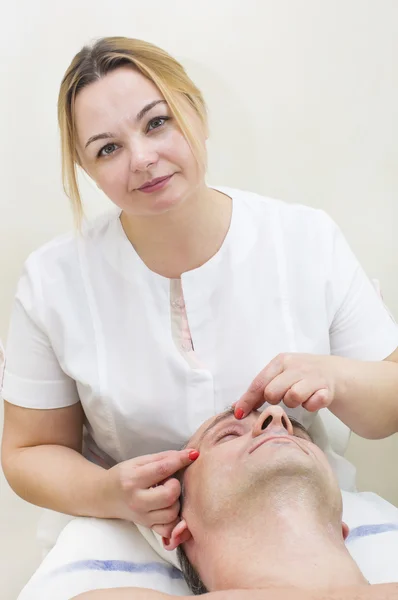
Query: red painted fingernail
[[239, 412], [193, 455]]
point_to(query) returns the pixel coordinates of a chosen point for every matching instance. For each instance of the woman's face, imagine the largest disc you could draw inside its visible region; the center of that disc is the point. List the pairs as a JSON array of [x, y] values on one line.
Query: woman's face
[[127, 137]]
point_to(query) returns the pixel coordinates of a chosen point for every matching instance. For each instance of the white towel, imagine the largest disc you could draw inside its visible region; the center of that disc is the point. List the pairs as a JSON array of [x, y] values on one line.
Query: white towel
[[100, 553]]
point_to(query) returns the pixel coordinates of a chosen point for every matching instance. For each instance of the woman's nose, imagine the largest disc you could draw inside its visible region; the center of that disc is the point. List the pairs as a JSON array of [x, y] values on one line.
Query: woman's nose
[[272, 419], [142, 155]]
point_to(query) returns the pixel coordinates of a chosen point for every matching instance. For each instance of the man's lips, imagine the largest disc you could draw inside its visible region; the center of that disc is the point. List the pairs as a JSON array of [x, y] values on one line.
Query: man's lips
[[154, 182], [275, 437]]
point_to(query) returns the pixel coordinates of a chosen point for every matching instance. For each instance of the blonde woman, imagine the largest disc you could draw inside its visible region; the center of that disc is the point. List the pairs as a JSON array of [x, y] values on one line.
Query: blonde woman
[[161, 313]]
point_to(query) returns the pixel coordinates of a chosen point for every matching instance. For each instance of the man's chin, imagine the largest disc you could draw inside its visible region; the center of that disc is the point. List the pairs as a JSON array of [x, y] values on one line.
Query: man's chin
[[288, 469], [259, 486]]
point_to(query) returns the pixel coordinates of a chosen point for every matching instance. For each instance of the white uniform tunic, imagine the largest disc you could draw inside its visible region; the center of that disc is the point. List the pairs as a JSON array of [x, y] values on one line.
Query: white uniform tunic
[[92, 323]]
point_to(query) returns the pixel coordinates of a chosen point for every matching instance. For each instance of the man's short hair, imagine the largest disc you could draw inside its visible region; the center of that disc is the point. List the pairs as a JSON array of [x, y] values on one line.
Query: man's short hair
[[191, 576]]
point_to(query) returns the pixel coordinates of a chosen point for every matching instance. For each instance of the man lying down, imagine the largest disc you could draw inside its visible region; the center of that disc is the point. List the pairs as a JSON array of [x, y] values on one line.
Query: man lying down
[[261, 518]]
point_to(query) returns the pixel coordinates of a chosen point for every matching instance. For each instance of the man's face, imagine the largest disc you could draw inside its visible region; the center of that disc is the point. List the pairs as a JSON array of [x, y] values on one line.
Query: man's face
[[242, 462]]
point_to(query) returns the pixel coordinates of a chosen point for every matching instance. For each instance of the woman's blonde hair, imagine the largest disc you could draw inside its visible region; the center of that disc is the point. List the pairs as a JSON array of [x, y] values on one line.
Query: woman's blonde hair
[[106, 55]]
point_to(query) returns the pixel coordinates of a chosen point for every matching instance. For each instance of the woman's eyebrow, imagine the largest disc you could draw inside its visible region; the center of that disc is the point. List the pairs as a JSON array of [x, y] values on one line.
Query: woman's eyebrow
[[139, 117], [149, 107], [99, 136]]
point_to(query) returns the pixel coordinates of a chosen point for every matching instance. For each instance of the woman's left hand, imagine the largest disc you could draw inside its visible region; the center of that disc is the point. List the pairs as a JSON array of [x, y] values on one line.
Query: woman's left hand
[[308, 380]]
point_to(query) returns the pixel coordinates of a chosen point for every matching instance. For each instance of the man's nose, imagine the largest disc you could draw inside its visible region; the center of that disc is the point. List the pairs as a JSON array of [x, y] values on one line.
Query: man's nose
[[272, 420]]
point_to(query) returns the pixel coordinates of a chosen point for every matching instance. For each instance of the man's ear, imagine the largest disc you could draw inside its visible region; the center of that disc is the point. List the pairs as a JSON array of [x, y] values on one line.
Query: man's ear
[[345, 530], [179, 535]]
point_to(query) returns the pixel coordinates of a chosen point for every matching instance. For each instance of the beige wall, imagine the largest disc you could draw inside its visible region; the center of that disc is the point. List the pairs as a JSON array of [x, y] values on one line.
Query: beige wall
[[303, 103]]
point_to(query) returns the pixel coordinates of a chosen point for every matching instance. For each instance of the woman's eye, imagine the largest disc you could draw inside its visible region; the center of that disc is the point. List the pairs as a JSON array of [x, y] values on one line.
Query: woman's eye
[[107, 150], [156, 123]]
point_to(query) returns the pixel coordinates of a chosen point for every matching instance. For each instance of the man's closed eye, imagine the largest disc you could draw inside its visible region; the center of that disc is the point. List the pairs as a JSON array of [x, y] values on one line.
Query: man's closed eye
[[227, 435], [230, 434]]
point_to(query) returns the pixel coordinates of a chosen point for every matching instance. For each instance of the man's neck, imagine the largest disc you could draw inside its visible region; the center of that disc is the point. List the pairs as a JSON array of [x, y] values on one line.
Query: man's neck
[[287, 548]]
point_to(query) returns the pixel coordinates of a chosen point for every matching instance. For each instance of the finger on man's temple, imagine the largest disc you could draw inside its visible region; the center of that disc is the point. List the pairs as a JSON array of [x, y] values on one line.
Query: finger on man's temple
[[321, 399], [254, 397], [155, 472]]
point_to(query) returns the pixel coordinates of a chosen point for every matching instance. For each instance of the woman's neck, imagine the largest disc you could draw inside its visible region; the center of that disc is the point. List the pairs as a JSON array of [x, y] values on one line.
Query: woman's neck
[[184, 238]]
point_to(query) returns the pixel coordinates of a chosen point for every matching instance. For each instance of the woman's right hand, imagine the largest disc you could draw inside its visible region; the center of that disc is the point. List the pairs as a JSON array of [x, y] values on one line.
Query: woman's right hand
[[143, 489]]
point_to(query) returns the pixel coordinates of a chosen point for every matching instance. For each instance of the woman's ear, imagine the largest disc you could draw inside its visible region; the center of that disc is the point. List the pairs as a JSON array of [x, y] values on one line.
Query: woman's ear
[[345, 530], [179, 535]]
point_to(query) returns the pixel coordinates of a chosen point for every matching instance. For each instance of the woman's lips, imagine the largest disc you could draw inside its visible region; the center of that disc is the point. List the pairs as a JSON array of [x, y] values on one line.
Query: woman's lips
[[155, 184]]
